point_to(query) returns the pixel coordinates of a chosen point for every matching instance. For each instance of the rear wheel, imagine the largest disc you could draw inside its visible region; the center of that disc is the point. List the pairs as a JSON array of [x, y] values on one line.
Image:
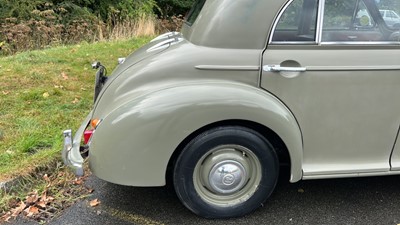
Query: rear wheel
[[226, 172]]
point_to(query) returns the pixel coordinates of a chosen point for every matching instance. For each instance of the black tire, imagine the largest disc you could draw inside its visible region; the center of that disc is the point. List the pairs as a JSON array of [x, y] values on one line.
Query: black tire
[[226, 172]]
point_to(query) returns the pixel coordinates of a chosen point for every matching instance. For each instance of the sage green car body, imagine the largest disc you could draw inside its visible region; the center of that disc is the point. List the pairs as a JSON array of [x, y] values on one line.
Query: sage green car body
[[339, 118]]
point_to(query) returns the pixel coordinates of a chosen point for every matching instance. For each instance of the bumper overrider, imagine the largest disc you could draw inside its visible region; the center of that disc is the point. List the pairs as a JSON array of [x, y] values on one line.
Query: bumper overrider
[[71, 152]]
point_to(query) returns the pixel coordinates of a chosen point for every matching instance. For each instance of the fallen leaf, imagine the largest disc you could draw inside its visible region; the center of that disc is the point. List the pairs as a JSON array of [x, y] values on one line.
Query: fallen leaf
[[75, 101], [6, 92], [6, 217], [64, 75], [31, 210], [34, 210], [78, 181], [46, 95], [44, 198], [46, 177], [10, 152], [90, 190], [31, 199], [16, 211], [41, 204], [94, 202], [300, 190]]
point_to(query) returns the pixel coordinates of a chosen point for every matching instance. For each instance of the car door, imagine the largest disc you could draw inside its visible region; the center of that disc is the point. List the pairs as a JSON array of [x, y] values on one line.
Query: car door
[[339, 74]]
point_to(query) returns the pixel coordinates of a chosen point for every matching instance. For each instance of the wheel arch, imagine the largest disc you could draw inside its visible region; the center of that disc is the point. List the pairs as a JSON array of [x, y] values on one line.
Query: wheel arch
[[276, 141]]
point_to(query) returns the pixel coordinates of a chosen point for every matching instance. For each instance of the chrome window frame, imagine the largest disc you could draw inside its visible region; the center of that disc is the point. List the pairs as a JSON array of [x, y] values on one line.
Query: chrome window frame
[[291, 42], [318, 32]]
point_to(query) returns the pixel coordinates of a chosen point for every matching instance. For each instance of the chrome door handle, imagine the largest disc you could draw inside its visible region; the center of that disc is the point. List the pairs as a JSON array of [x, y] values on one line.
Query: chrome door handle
[[278, 68]]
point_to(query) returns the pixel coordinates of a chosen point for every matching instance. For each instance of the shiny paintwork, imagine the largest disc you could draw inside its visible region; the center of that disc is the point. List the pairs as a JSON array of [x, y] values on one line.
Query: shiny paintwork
[[213, 72], [356, 131]]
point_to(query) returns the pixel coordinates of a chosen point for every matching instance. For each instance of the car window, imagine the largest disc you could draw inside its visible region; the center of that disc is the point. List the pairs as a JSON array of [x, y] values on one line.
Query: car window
[[297, 23], [195, 11], [342, 21], [360, 21], [349, 20], [339, 15]]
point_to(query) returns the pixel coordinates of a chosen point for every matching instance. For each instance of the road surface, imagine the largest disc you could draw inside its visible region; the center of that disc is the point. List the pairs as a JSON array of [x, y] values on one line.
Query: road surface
[[338, 201]]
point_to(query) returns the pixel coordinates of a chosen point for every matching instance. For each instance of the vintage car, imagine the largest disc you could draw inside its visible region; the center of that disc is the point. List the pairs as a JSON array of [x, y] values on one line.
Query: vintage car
[[391, 18], [246, 87]]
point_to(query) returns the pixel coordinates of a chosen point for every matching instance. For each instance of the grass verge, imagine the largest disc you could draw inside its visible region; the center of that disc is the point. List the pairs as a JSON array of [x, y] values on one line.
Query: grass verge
[[41, 94]]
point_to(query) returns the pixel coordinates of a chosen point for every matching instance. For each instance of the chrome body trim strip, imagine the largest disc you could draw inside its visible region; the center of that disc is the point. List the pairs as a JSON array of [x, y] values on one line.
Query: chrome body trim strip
[[353, 68], [227, 67]]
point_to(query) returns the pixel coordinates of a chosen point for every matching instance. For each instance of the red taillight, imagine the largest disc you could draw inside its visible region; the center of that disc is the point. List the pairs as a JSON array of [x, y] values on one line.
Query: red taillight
[[86, 136]]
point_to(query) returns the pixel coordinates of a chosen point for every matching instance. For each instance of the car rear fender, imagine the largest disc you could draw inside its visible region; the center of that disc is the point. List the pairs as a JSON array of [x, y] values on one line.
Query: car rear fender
[[134, 143]]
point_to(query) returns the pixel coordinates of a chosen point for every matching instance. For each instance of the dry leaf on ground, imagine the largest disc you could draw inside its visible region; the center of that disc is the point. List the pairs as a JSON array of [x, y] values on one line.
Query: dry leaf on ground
[[31, 210], [18, 209], [41, 204], [32, 198], [78, 181], [64, 76], [75, 101], [46, 178], [94, 202], [6, 217]]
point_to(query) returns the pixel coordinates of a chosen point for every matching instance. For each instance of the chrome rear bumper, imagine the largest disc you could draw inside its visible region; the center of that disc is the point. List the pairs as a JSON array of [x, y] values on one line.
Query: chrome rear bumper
[[71, 152]]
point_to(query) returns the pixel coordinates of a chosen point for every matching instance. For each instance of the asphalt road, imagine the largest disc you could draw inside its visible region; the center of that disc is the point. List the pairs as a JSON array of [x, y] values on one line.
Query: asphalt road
[[338, 201]]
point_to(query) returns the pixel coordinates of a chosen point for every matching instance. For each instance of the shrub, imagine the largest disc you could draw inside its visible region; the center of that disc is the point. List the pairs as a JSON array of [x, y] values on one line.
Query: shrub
[[174, 7], [32, 24]]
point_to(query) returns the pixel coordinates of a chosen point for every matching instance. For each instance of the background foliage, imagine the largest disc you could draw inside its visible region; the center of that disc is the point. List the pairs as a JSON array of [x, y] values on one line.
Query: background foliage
[[32, 24], [174, 7]]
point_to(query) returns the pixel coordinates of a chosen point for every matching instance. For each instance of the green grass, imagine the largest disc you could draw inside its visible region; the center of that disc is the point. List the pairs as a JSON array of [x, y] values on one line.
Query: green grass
[[44, 92]]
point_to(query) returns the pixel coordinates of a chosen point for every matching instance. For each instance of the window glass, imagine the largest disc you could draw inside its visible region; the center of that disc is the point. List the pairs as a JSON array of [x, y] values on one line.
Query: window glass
[[195, 11], [297, 23], [389, 15], [359, 21]]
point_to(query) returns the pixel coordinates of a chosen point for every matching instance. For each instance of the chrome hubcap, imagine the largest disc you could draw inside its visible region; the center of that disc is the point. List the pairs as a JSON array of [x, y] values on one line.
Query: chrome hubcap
[[227, 177]]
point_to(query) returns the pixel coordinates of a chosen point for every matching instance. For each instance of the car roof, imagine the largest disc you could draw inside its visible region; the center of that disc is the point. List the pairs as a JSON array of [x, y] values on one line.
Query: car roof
[[248, 21]]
